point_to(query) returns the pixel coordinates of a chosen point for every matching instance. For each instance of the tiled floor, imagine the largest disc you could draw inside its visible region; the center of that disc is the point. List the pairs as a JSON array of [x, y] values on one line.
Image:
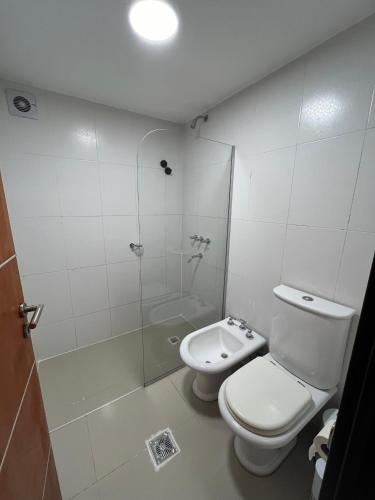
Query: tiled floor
[[102, 456], [78, 382], [160, 356]]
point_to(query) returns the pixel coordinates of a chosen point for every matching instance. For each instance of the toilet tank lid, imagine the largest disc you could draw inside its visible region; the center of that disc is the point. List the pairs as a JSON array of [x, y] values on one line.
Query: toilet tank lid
[[312, 303]]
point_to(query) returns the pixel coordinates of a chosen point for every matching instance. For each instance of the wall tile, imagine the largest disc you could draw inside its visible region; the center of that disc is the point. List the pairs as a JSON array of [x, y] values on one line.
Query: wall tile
[[119, 232], [213, 190], [173, 192], [355, 268], [338, 85], [323, 182], [311, 259], [153, 278], [125, 318], [118, 134], [153, 235], [151, 185], [93, 327], [89, 289], [79, 187], [84, 241], [73, 457], [279, 99], [191, 190], [270, 184], [363, 210], [30, 185], [123, 283], [239, 247], [173, 233], [40, 244], [53, 339], [241, 185], [118, 185], [71, 125], [262, 272], [53, 290]]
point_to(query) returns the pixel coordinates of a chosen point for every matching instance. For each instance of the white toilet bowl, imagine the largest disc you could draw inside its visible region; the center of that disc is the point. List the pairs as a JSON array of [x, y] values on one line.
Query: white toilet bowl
[[213, 351], [266, 407]]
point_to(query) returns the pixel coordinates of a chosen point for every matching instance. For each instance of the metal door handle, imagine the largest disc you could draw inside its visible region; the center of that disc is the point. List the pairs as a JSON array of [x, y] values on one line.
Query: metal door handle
[[135, 246], [24, 310]]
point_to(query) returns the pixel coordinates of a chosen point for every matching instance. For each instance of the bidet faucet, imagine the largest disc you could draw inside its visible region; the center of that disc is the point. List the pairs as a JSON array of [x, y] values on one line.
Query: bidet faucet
[[196, 256], [243, 325]]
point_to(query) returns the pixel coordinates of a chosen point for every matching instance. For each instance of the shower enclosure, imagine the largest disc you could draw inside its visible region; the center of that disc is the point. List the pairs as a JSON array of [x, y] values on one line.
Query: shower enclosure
[[183, 187]]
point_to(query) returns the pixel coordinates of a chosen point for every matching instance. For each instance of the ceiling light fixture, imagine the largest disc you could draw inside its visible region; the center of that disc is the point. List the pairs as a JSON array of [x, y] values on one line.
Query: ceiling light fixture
[[154, 20]]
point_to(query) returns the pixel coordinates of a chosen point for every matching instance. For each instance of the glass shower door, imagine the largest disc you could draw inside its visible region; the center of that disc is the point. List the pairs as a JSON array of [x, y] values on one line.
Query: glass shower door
[[183, 194]]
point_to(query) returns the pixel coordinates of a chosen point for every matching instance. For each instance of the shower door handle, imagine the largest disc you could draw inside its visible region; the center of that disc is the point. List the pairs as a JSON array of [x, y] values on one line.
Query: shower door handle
[[136, 248], [24, 309]]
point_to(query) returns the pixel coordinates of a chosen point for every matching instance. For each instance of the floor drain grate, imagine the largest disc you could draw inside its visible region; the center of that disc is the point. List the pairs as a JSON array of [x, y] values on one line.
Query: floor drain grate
[[162, 447], [174, 340]]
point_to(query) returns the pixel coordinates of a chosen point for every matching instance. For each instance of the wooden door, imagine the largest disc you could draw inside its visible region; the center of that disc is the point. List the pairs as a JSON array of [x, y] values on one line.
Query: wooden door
[[27, 468]]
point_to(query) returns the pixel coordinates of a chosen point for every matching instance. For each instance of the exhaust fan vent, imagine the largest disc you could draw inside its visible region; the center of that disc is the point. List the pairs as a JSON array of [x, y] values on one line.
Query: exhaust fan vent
[[21, 103]]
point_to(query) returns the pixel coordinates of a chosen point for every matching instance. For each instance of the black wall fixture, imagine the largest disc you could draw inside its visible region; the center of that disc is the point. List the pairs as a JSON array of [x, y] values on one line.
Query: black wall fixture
[[164, 164]]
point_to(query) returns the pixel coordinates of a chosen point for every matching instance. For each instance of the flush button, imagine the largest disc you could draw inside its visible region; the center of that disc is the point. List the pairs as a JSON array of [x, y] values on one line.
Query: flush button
[[307, 298]]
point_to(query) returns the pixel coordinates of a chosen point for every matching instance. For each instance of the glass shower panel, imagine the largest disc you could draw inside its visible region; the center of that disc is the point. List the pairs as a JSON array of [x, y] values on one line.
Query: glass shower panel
[[184, 193]]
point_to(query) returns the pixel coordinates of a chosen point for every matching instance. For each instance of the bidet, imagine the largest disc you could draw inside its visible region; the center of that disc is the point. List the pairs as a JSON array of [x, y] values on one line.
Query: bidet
[[214, 351]]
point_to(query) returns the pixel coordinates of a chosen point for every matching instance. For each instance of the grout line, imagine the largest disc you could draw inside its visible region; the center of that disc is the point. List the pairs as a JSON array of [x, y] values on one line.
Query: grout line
[[339, 267], [16, 418], [79, 348], [7, 261], [84, 415]]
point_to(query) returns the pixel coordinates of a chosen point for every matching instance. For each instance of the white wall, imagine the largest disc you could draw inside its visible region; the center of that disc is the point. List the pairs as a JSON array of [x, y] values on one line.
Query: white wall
[[206, 206], [304, 187], [70, 181]]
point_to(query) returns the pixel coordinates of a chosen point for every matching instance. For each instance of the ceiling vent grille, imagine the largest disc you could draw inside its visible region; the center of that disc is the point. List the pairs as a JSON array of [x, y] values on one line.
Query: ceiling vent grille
[[21, 103]]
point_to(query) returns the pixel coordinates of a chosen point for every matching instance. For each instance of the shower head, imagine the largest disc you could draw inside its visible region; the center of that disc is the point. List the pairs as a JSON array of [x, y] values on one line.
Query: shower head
[[200, 117]]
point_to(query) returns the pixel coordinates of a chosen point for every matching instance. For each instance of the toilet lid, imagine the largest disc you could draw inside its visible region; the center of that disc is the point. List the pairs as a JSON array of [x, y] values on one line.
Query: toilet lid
[[264, 398]]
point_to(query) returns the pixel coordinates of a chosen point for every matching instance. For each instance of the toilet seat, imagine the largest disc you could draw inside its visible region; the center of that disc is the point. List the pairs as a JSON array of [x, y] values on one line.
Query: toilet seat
[[265, 399]]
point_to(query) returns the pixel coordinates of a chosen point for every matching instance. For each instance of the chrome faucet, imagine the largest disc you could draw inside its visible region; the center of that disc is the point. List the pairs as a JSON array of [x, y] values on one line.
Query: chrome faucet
[[196, 256], [243, 325]]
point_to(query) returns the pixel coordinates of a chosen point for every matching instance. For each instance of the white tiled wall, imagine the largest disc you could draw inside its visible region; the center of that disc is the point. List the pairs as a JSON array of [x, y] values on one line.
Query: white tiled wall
[[207, 178], [70, 180], [304, 180]]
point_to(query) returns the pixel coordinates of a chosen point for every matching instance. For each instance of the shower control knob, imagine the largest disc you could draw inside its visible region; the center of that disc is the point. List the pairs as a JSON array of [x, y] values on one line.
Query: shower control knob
[[243, 324], [249, 334], [168, 171], [163, 163]]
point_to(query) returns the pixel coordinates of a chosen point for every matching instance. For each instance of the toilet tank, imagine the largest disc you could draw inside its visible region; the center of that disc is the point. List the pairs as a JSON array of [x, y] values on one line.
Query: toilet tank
[[309, 335]]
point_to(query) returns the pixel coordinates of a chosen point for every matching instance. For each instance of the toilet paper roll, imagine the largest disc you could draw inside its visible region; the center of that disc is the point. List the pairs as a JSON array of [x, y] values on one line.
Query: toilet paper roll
[[320, 443]]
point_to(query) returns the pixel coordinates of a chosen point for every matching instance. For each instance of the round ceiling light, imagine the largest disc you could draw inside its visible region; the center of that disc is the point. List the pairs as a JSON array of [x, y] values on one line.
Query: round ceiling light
[[154, 20]]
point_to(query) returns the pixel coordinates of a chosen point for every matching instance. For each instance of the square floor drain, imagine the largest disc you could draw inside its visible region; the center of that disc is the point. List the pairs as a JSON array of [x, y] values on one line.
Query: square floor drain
[[162, 447], [174, 340]]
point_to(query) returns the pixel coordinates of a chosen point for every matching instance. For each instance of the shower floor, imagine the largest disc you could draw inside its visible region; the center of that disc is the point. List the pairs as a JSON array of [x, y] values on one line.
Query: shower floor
[[161, 356], [78, 382]]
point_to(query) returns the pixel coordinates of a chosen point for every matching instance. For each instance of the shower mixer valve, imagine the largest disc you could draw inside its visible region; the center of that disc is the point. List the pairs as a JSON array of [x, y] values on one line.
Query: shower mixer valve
[[201, 239]]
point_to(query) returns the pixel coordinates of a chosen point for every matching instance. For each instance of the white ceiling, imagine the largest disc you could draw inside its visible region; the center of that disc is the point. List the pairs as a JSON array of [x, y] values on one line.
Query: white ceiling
[[85, 48]]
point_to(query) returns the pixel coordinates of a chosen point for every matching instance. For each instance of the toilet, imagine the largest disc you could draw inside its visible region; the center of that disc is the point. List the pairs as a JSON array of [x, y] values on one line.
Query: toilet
[[269, 401], [215, 350]]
